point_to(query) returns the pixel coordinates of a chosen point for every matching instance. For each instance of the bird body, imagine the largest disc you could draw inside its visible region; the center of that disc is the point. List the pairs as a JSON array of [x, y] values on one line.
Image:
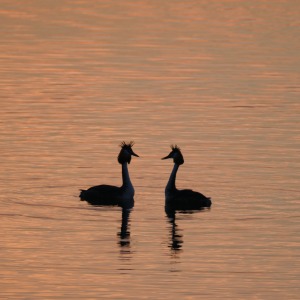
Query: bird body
[[102, 195], [112, 195], [185, 199]]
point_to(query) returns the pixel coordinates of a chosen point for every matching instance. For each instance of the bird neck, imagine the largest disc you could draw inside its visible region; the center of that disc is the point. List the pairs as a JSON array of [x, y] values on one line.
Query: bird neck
[[171, 183], [125, 177]]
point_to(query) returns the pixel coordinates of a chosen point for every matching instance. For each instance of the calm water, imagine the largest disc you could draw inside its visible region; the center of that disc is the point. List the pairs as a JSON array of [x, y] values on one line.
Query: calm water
[[219, 78]]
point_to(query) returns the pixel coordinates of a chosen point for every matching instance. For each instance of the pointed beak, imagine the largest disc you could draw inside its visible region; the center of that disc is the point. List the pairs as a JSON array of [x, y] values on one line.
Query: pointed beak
[[168, 156], [134, 154]]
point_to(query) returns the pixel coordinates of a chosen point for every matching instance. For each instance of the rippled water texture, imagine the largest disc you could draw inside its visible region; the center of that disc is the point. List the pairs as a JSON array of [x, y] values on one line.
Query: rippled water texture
[[218, 78]]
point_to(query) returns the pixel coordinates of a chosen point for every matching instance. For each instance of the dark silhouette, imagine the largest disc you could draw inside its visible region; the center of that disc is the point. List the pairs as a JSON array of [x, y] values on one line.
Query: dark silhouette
[[176, 239], [182, 199], [124, 234], [113, 195]]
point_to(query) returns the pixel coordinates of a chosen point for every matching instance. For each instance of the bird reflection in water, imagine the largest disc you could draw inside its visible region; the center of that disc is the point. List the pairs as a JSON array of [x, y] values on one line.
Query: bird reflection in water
[[176, 238], [124, 234]]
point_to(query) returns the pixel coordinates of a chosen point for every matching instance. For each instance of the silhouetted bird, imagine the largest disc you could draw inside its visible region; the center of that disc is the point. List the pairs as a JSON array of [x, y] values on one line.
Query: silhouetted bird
[[182, 199], [113, 195]]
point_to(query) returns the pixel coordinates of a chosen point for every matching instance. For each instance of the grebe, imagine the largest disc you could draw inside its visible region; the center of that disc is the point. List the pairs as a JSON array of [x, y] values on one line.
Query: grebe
[[113, 195], [182, 199]]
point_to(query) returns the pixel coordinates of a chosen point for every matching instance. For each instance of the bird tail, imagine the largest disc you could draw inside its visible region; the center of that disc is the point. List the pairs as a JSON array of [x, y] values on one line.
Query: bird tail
[[81, 195]]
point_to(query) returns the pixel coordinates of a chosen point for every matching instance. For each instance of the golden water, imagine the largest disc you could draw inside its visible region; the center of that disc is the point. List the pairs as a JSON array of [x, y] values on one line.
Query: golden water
[[218, 78]]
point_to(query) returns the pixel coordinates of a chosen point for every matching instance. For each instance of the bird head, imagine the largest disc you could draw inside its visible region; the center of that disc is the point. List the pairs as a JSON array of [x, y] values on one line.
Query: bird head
[[126, 152], [176, 155]]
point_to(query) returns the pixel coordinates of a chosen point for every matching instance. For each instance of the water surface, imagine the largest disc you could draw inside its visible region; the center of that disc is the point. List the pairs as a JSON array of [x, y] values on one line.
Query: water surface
[[218, 78]]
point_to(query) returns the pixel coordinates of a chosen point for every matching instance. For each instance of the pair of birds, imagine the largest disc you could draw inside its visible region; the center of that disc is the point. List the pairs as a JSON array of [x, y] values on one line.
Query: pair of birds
[[175, 199]]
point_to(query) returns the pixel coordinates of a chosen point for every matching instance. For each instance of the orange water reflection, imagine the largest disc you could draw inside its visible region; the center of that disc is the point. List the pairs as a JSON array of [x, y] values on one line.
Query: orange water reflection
[[220, 79]]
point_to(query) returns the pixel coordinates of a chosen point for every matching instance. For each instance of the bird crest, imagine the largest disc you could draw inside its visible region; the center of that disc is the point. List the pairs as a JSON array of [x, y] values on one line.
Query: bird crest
[[124, 144], [175, 148]]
